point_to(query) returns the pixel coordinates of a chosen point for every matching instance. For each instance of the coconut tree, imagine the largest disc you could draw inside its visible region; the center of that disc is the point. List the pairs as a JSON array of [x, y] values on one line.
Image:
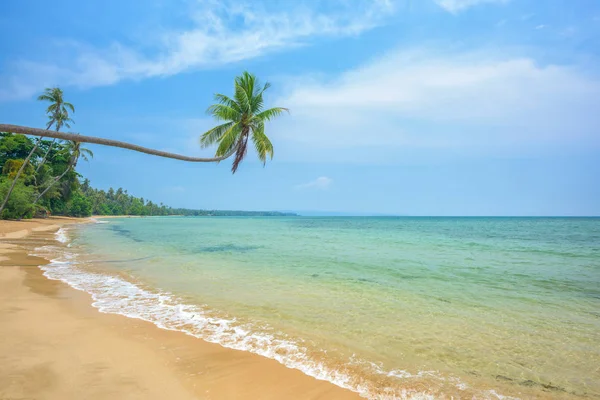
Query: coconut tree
[[244, 118], [58, 114], [76, 152]]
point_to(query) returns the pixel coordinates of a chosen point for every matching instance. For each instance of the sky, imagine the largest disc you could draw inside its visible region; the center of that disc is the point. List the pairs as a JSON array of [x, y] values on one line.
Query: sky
[[400, 107]]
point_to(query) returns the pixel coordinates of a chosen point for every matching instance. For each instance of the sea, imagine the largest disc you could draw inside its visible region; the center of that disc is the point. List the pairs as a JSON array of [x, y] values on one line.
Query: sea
[[391, 308]]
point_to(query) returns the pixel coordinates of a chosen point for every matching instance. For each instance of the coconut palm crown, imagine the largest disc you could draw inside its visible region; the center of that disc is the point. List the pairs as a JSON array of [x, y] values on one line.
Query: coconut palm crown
[[244, 118], [58, 110]]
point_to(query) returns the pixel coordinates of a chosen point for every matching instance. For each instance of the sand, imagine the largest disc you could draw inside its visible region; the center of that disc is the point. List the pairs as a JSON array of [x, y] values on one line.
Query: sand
[[55, 345]]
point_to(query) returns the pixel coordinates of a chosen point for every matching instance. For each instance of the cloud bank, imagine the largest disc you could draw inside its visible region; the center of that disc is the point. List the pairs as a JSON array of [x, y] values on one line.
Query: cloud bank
[[431, 99], [221, 32]]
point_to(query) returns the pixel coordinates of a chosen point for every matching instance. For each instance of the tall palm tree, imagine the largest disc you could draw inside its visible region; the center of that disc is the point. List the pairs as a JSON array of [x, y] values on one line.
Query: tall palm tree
[[76, 152], [58, 107], [244, 118], [58, 115]]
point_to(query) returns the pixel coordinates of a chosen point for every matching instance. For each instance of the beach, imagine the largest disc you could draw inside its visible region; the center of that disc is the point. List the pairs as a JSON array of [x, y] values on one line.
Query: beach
[[57, 346]]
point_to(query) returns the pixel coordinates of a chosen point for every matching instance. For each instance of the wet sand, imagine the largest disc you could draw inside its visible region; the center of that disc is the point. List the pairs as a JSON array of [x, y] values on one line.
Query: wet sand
[[55, 345]]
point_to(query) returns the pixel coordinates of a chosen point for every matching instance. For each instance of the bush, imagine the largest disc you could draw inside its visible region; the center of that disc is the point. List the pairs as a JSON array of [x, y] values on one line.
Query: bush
[[20, 204]]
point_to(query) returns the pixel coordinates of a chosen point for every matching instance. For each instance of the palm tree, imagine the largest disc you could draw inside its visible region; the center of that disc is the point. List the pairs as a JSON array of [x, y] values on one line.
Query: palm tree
[[76, 152], [244, 117], [58, 114]]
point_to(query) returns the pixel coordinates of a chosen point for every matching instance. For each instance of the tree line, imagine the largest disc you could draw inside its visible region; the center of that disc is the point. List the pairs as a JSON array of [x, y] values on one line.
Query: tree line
[[73, 195]]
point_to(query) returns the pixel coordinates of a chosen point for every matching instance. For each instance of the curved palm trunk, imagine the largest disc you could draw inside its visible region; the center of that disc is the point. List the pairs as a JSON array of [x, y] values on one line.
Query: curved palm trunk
[[25, 130], [18, 175]]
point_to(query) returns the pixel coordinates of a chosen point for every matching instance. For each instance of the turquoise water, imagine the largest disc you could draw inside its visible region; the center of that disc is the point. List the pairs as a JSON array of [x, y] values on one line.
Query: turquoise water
[[388, 307]]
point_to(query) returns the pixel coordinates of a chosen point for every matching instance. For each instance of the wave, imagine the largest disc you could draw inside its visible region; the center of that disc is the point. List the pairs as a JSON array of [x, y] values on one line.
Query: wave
[[115, 295]]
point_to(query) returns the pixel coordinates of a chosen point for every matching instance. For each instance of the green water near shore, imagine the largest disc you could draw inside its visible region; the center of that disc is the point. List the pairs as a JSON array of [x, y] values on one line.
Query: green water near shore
[[445, 306]]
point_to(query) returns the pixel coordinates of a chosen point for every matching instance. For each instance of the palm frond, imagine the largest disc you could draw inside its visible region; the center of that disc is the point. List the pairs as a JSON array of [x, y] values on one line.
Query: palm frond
[[262, 144], [226, 100], [256, 103], [87, 152], [223, 113], [214, 135], [271, 113], [248, 81], [45, 97], [69, 105], [228, 140], [242, 98]]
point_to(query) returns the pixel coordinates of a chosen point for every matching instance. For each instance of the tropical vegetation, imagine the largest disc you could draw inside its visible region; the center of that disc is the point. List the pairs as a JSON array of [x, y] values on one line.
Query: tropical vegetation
[[73, 195]]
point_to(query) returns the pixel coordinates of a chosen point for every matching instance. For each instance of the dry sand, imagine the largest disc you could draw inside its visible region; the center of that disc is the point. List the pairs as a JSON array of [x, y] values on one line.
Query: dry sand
[[55, 345]]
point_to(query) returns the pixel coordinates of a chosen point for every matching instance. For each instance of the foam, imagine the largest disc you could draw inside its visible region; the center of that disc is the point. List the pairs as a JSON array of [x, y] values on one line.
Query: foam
[[114, 295], [61, 235]]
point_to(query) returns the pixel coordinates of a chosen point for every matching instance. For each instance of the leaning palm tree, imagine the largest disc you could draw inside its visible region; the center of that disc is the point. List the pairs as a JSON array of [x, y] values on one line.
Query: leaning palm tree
[[267, 149], [58, 115], [244, 118], [76, 151]]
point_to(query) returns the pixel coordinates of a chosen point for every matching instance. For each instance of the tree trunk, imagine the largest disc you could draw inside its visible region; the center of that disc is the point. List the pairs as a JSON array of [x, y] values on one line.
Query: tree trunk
[[108, 142], [45, 156], [18, 175]]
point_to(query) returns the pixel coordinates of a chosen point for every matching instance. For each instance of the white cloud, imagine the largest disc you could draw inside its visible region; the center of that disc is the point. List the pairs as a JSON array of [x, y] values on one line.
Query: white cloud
[[469, 102], [321, 183], [456, 6], [542, 26], [221, 33]]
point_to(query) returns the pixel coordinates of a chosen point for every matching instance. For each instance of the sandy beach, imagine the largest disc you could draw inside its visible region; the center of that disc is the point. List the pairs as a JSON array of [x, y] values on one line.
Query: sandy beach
[[55, 345]]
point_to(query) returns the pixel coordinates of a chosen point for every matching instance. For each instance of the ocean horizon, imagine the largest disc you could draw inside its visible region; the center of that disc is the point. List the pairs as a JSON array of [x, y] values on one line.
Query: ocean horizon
[[386, 306]]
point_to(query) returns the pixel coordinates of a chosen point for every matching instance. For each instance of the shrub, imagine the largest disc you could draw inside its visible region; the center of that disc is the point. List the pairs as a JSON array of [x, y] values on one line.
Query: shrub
[[79, 206], [20, 204]]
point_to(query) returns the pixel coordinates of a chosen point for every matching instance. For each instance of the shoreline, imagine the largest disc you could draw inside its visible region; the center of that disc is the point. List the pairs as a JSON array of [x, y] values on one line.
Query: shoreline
[[58, 346]]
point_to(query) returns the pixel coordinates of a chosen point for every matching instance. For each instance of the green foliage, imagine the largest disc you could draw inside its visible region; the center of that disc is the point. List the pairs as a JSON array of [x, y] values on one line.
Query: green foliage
[[79, 205], [20, 204], [244, 118], [14, 147]]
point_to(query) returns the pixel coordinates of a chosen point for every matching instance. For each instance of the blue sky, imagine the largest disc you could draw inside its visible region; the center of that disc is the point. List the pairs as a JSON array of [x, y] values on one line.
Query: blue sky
[[412, 107]]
